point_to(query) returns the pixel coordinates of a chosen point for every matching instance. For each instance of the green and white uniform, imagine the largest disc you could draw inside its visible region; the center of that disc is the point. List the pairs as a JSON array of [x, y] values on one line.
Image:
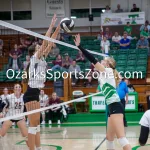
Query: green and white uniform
[[108, 86]]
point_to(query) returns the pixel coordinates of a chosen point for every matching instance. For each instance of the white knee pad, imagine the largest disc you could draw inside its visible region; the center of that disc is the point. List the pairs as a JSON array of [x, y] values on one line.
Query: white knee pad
[[123, 141], [32, 130], [38, 128], [110, 145]]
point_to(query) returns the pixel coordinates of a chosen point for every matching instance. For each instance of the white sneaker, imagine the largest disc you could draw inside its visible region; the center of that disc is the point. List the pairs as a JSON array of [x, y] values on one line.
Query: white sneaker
[[58, 122], [43, 123], [50, 122]]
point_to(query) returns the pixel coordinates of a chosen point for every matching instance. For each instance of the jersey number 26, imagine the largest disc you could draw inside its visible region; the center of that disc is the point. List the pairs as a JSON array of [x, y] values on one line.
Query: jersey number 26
[[17, 105]]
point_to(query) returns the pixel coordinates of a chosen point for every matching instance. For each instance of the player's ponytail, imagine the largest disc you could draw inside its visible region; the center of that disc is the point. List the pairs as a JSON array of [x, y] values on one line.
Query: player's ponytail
[[112, 64]]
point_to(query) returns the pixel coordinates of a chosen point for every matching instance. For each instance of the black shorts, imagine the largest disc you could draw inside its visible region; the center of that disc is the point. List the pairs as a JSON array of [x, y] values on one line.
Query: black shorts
[[32, 94], [115, 108], [16, 121]]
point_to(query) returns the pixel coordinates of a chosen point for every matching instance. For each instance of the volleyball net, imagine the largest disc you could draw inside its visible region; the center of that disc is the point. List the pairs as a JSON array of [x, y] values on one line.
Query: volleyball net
[[17, 43]]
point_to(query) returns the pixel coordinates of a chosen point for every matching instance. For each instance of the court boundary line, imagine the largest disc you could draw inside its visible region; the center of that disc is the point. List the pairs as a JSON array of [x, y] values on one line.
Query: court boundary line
[[56, 146]]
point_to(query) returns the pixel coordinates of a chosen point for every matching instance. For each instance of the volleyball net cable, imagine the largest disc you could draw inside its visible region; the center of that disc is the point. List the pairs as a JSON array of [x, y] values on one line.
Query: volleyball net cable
[[10, 28], [22, 30], [46, 108]]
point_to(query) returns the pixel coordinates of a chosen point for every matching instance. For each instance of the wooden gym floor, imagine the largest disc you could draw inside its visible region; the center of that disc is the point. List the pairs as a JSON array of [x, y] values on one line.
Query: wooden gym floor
[[70, 138]]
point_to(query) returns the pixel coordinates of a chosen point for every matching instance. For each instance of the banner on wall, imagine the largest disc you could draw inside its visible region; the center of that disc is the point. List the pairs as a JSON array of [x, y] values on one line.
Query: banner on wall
[[97, 103], [110, 19], [55, 7]]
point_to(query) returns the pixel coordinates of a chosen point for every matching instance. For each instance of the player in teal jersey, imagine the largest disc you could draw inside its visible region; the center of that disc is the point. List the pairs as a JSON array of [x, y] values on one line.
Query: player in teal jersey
[[109, 79]]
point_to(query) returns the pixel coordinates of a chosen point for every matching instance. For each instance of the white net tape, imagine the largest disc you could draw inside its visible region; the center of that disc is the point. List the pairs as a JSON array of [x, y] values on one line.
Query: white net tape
[[17, 28], [45, 108]]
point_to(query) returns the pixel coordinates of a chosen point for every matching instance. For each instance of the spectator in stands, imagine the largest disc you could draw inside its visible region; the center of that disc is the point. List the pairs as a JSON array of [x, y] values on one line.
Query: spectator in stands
[[74, 69], [124, 42], [40, 41], [145, 33], [67, 61], [105, 45], [122, 90], [135, 9], [108, 34], [90, 75], [64, 36], [142, 43], [15, 63], [22, 46], [129, 36], [130, 86], [1, 47], [26, 63], [100, 35], [128, 28], [43, 98], [119, 10], [57, 63], [116, 38], [145, 25], [28, 41], [55, 51], [56, 110], [107, 9], [15, 51], [32, 46], [80, 57]]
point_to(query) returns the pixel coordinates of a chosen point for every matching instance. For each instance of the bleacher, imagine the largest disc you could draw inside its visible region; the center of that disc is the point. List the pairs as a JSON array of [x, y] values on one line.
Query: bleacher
[[127, 60]]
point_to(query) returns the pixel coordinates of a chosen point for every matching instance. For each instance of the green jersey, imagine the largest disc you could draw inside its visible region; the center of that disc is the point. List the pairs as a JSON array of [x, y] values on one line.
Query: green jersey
[[128, 29], [108, 86], [145, 34]]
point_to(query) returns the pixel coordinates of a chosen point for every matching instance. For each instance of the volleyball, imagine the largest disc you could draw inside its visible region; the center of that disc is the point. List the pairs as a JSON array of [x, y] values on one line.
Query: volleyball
[[67, 24]]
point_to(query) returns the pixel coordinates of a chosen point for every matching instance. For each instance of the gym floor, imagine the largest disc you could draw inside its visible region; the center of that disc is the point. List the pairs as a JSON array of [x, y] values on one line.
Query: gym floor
[[70, 138]]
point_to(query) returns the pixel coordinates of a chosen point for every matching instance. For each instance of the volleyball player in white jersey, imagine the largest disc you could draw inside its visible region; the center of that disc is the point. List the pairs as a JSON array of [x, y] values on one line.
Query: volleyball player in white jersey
[[145, 128], [43, 102], [31, 96], [4, 102], [16, 106], [5, 96], [109, 79]]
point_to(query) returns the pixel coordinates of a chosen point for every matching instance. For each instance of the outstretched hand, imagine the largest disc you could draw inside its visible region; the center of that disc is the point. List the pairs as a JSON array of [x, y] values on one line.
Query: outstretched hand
[[77, 39], [54, 19]]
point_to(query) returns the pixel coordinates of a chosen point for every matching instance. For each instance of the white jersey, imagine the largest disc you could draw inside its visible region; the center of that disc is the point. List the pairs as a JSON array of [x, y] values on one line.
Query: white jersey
[[4, 98], [37, 72], [43, 100], [145, 120], [108, 86], [16, 106]]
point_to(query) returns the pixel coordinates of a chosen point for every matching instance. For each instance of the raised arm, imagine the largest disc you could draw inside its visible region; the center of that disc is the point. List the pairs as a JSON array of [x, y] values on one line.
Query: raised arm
[[50, 44], [45, 45], [49, 31], [89, 56]]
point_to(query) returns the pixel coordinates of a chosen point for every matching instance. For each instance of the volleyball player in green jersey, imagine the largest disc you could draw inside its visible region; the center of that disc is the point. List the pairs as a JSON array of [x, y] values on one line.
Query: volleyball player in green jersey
[[109, 79]]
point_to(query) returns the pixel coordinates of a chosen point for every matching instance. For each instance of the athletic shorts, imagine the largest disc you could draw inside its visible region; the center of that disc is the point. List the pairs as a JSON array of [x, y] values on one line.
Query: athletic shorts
[[115, 108], [32, 94], [15, 121]]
